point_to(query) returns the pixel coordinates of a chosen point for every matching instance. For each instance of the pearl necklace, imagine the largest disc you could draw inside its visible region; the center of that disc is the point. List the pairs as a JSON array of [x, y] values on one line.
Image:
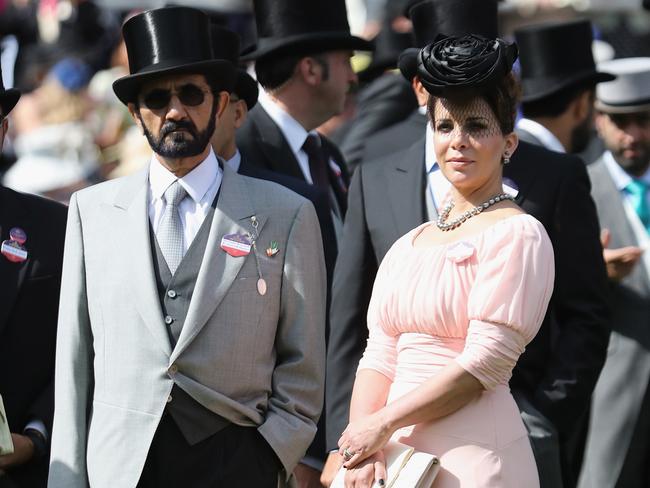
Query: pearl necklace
[[447, 226]]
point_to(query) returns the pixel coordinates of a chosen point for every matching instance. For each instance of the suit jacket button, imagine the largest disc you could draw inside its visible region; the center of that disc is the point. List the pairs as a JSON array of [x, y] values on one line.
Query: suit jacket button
[[173, 369], [168, 320]]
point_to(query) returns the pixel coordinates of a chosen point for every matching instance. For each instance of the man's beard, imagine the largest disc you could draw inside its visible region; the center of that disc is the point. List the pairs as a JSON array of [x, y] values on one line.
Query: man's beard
[[635, 166], [176, 145], [581, 135]]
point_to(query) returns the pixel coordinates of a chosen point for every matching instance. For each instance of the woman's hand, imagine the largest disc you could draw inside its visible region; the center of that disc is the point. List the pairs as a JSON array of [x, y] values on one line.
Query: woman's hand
[[363, 437], [367, 472]]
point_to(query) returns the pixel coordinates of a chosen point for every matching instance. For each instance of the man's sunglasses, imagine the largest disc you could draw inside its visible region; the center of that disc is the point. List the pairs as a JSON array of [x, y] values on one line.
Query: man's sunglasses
[[189, 95]]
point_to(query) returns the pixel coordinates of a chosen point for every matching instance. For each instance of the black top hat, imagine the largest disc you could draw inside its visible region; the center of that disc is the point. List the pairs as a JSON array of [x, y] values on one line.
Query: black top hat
[[302, 27], [8, 98], [388, 46], [431, 18], [225, 45], [556, 56], [167, 41]]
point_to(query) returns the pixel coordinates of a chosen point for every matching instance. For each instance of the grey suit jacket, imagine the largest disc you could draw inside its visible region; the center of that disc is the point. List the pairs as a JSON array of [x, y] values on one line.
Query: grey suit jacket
[[255, 360], [615, 438]]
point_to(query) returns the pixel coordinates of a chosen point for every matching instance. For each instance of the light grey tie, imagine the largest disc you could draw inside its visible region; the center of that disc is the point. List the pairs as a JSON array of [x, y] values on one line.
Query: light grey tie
[[170, 229]]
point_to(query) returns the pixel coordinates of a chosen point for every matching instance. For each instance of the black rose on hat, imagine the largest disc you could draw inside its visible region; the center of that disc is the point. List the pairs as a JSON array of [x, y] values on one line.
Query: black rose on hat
[[467, 62]]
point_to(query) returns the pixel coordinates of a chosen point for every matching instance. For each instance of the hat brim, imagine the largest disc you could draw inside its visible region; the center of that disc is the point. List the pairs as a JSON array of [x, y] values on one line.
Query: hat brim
[[305, 44], [408, 63], [628, 108], [127, 88], [246, 88], [8, 100], [541, 87]]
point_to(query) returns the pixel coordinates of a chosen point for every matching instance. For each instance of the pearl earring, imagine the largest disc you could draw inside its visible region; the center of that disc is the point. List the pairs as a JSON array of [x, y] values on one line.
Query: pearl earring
[[506, 158]]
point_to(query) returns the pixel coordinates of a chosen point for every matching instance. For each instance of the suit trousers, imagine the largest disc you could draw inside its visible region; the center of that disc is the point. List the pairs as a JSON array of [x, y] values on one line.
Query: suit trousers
[[233, 457]]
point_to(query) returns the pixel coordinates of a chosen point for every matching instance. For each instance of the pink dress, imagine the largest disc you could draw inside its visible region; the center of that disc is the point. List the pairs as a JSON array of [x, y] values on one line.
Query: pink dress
[[477, 302]]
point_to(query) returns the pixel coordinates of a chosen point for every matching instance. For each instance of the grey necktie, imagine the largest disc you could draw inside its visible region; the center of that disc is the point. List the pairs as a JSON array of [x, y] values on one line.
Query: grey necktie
[[170, 229]]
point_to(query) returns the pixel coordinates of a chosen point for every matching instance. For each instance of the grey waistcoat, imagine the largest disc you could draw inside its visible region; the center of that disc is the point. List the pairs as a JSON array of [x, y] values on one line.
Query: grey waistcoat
[[175, 292]]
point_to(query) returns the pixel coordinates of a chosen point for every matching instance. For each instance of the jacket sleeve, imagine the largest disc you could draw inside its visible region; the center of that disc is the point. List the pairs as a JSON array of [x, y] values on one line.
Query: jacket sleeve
[[74, 365], [354, 274], [296, 398], [580, 302]]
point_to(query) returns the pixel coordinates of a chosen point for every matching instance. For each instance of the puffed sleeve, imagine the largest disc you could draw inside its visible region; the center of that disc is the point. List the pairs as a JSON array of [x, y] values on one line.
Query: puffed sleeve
[[381, 349], [508, 300]]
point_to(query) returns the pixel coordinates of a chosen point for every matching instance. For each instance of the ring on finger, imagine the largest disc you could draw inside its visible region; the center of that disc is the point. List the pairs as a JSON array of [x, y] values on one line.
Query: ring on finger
[[347, 454]]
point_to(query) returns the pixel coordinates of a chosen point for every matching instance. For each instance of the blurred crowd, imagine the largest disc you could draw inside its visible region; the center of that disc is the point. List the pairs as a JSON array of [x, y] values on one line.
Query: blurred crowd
[[70, 130]]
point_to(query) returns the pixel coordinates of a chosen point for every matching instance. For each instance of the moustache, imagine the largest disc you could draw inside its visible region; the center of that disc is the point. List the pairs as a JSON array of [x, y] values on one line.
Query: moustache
[[171, 126]]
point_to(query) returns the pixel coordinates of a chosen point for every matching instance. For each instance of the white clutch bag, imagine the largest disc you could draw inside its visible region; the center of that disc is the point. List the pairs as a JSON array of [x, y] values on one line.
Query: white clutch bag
[[405, 466], [6, 444]]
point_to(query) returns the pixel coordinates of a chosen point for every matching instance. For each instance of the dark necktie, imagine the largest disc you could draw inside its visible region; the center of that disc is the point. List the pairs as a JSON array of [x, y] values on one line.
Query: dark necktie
[[317, 161]]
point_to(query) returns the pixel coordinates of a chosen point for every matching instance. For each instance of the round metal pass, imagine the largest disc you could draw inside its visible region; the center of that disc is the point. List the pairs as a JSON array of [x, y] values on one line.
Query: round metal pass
[[261, 286], [17, 234]]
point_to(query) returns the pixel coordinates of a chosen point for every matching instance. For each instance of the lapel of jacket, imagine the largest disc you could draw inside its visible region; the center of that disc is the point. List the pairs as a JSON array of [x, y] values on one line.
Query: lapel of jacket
[[274, 145], [405, 182], [12, 274], [134, 199], [612, 216], [218, 271]]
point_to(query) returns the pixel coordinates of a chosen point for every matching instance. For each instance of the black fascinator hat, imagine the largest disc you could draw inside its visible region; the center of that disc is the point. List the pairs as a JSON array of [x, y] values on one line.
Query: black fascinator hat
[[453, 65]]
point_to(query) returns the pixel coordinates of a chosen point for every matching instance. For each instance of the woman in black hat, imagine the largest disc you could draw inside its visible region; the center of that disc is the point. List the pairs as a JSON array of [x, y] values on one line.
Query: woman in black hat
[[456, 301]]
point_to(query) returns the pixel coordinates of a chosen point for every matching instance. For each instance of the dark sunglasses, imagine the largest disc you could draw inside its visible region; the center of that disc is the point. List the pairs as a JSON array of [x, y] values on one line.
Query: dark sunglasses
[[189, 95]]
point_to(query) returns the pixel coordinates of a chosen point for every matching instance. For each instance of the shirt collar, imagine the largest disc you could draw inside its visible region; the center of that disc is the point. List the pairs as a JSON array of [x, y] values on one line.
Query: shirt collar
[[546, 137], [196, 183], [293, 132], [235, 161]]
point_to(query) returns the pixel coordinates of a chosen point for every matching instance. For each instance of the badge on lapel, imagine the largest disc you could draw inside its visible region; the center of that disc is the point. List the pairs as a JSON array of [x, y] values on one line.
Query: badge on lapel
[[237, 245], [13, 249], [273, 249]]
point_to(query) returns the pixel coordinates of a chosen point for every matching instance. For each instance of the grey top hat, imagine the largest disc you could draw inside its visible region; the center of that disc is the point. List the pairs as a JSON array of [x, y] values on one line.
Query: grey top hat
[[630, 91]]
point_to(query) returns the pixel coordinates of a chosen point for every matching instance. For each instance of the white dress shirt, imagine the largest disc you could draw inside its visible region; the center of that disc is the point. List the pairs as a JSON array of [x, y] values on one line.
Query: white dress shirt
[[545, 136], [201, 185], [294, 133]]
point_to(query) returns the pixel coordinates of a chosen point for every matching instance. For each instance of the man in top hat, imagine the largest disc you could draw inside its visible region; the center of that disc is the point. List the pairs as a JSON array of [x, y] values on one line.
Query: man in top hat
[[191, 345], [618, 443], [302, 62], [392, 194], [225, 45], [385, 98], [32, 231], [558, 77]]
